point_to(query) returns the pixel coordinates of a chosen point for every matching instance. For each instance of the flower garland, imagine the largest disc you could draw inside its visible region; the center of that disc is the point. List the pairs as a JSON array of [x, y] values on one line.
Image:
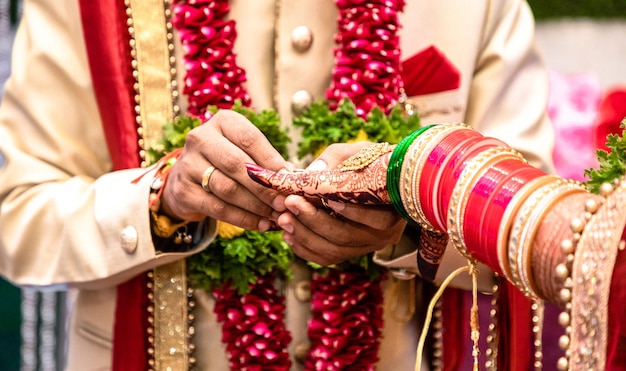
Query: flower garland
[[240, 266]]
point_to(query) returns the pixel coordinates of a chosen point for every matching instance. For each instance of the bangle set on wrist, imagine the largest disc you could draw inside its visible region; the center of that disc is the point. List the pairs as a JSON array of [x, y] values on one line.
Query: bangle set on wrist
[[482, 193]]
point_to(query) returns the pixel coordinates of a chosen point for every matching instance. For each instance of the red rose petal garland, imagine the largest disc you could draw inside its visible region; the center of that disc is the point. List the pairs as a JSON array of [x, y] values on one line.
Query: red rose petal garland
[[367, 59], [347, 313], [213, 77], [253, 328], [347, 321]]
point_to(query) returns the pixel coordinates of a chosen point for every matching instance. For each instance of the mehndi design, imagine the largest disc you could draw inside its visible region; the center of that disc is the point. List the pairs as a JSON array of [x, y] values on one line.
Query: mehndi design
[[361, 179]]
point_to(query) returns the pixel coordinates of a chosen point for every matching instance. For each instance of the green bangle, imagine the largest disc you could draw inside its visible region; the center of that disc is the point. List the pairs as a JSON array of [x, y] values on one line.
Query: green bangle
[[394, 169]]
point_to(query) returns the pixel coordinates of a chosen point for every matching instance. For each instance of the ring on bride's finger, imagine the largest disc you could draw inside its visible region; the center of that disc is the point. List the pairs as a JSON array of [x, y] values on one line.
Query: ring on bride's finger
[[206, 176]]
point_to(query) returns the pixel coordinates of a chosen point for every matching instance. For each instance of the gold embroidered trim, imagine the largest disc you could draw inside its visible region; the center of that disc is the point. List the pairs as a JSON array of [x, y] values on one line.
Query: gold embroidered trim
[[151, 41], [594, 261], [156, 94], [170, 317]]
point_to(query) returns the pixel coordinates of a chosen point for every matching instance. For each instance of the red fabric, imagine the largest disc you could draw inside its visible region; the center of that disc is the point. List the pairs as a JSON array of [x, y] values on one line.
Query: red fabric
[[455, 321], [108, 50], [610, 114], [515, 331], [429, 71], [616, 348]]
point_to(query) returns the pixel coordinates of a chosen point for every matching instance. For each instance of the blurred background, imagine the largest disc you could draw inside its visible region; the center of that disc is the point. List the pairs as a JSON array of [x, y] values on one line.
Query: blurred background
[[584, 45]]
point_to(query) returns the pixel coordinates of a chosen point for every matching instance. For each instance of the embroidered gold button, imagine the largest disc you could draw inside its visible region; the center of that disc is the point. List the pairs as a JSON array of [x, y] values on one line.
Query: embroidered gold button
[[129, 239], [300, 100], [303, 291], [301, 38]]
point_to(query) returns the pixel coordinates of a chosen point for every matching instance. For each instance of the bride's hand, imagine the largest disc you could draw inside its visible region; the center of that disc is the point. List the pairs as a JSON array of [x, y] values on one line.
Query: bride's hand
[[359, 179], [344, 228]]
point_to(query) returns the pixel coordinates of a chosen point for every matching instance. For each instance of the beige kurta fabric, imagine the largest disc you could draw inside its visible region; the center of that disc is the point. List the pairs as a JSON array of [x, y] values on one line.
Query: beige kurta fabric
[[62, 212]]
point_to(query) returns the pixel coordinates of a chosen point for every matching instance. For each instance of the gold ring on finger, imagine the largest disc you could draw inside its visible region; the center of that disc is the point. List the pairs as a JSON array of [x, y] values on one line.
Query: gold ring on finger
[[206, 176]]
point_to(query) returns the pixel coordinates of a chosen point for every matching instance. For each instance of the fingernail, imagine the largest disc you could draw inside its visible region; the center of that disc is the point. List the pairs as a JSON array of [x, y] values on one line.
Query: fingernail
[[337, 206], [317, 165], [287, 227], [255, 172], [294, 210], [288, 238], [264, 225], [279, 203], [254, 168], [275, 215]]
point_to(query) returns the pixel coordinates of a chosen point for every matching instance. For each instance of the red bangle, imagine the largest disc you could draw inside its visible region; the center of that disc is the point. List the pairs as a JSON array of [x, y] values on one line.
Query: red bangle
[[497, 204], [484, 238], [511, 211], [486, 185], [445, 184], [432, 168], [450, 174]]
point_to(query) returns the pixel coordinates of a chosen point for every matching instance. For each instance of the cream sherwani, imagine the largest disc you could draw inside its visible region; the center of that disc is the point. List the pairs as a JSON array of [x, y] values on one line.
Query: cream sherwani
[[63, 212]]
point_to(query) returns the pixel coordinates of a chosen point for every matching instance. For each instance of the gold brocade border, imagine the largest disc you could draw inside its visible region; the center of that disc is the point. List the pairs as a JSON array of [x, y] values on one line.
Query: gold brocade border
[[170, 317], [592, 272], [153, 68], [154, 72]]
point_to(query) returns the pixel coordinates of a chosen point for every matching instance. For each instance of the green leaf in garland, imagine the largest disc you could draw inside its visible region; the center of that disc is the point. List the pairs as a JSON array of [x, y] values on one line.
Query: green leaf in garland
[[240, 260], [612, 164], [174, 135], [322, 126]]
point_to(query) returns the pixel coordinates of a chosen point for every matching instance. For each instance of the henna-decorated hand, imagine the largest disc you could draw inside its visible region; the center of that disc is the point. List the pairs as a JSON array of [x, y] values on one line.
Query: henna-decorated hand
[[361, 220], [361, 179]]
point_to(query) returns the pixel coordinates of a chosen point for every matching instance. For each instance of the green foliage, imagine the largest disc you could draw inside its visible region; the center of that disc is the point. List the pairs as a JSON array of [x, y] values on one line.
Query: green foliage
[[174, 135], [240, 260], [601, 9], [323, 126], [612, 164], [364, 262]]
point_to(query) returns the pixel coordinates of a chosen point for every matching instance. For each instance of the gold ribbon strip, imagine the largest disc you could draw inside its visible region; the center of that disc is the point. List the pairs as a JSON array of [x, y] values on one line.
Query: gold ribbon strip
[[151, 40]]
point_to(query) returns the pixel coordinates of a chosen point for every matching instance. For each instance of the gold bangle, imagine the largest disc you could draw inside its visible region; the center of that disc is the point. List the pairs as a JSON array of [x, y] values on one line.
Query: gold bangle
[[460, 193], [527, 239], [416, 176], [518, 225], [525, 226], [412, 167]]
